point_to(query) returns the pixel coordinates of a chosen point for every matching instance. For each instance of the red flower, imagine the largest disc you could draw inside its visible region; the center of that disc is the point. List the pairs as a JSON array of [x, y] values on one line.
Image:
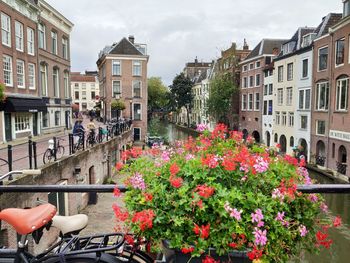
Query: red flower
[[229, 164], [187, 250], [196, 229], [119, 214], [291, 160], [119, 166], [209, 259], [255, 253], [129, 239], [148, 197], [210, 160], [202, 231], [326, 243], [200, 204], [233, 245], [116, 191], [337, 221], [278, 145], [321, 236], [176, 181], [135, 152], [174, 169], [205, 191], [144, 218]]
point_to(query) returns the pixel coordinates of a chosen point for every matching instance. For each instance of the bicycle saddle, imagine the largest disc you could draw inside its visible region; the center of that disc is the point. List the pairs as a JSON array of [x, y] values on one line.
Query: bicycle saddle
[[70, 224], [26, 221]]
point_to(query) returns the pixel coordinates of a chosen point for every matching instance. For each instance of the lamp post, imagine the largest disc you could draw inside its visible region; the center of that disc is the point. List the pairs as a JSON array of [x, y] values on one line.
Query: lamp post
[[130, 102]]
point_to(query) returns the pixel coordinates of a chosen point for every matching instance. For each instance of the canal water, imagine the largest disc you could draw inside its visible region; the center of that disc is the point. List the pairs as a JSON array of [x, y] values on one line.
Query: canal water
[[338, 204]]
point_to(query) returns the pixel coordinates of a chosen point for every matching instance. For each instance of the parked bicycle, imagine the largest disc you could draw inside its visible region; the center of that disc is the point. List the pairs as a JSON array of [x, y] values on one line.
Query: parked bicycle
[[91, 138], [51, 152], [79, 137]]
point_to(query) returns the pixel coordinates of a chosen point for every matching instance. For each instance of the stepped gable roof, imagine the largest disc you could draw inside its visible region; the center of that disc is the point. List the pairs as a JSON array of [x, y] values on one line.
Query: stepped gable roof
[[124, 47], [266, 46], [328, 21]]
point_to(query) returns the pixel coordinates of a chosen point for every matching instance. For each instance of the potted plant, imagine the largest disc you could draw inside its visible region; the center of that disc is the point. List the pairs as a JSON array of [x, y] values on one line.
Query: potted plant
[[219, 196]]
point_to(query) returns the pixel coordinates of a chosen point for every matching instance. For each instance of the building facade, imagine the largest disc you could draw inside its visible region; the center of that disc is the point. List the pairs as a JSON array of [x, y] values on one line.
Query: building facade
[[85, 90], [267, 111], [123, 76]]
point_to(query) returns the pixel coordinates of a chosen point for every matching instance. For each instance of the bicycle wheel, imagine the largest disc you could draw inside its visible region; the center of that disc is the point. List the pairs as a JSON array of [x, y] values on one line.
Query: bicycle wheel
[[47, 157], [60, 152]]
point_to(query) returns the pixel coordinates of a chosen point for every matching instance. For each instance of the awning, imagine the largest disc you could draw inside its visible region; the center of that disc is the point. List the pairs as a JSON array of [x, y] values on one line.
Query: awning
[[12, 104]]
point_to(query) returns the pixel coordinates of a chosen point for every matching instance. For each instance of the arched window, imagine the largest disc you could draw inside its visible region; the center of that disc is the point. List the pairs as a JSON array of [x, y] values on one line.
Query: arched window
[[291, 141], [276, 137]]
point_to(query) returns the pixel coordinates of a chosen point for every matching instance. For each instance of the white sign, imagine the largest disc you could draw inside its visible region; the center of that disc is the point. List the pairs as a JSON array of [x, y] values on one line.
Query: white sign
[[340, 135]]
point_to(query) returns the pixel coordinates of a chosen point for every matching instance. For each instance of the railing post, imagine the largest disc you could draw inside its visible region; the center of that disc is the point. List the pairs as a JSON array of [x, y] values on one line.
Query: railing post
[[55, 148], [30, 151], [100, 134], [83, 141], [70, 142], [34, 155], [9, 157], [107, 133]]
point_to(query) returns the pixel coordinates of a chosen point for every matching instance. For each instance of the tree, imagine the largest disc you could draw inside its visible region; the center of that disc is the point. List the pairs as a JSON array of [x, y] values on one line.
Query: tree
[[181, 91], [222, 90], [2, 92], [157, 94]]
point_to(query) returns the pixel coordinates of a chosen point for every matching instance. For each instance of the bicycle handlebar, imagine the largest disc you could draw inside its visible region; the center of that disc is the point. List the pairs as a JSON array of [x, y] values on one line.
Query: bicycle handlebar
[[27, 172]]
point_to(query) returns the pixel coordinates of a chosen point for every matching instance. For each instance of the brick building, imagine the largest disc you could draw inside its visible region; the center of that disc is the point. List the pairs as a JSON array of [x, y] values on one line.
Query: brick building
[[123, 76]]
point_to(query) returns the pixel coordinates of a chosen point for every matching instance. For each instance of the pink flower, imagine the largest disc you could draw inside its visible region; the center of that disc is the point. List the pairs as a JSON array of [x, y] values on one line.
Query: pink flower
[[280, 216], [260, 237], [261, 165], [166, 156], [302, 230], [313, 198], [137, 181], [189, 157], [257, 216], [324, 207], [201, 127], [233, 212]]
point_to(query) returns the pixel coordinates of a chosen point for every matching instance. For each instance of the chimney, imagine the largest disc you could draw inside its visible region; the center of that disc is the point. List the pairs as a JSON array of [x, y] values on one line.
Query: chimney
[[132, 39], [245, 45]]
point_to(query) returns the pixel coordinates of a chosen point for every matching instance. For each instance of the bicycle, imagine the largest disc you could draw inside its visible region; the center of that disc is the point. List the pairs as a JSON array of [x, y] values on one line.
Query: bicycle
[[91, 140], [79, 145], [50, 152]]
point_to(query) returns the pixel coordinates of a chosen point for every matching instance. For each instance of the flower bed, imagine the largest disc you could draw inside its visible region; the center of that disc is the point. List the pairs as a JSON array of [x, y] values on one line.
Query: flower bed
[[222, 193]]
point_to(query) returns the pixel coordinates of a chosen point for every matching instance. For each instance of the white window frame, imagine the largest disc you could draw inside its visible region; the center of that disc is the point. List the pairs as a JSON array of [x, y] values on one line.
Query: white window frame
[[250, 101], [120, 88], [318, 58], [59, 118], [42, 34], [317, 95], [291, 119], [43, 71], [133, 89], [307, 68], [20, 73], [280, 73], [280, 96], [133, 111], [270, 92], [301, 122], [22, 122], [31, 76], [278, 118], [317, 130], [335, 52], [290, 69], [46, 119], [54, 38], [289, 96], [257, 101], [251, 81], [56, 84], [257, 76], [117, 62], [244, 102], [19, 36], [340, 91], [65, 47], [30, 41], [66, 84], [245, 82], [284, 118], [8, 69], [140, 132], [5, 30], [257, 64], [251, 66], [136, 64]]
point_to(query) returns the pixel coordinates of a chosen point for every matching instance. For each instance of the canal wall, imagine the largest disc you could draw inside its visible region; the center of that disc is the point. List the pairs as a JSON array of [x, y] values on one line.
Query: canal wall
[[92, 166], [190, 131], [331, 174]]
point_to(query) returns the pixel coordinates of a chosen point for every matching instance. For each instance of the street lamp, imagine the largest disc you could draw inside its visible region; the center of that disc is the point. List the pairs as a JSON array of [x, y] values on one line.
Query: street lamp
[[130, 102]]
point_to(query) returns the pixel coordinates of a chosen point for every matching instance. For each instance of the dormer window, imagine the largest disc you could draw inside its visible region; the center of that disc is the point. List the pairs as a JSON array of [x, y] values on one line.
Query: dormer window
[[307, 39], [288, 47], [346, 8]]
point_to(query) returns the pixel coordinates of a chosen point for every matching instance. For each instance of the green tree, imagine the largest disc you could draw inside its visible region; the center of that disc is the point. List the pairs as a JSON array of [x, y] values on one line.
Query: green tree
[[2, 92], [157, 94], [222, 90], [181, 91]]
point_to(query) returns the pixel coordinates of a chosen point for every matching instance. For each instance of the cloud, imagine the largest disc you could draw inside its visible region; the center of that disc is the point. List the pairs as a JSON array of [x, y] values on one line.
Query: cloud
[[178, 31]]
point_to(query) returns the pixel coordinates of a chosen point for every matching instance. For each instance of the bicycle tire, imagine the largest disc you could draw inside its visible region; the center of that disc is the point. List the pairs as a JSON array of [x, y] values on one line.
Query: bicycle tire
[[47, 157], [137, 257], [60, 152]]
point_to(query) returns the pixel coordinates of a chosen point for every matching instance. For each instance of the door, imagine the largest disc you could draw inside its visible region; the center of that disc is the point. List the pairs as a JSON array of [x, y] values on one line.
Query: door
[[35, 124], [137, 134], [8, 127]]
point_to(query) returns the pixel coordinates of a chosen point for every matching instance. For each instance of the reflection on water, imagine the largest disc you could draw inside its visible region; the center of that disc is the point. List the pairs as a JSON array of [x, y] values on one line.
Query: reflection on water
[[339, 204]]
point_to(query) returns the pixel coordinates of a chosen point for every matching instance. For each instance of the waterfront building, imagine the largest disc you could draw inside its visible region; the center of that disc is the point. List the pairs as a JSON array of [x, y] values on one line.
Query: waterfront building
[[122, 74], [252, 92]]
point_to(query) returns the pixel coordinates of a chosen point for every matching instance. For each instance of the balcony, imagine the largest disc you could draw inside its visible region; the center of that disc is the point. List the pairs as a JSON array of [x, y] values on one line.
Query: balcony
[[320, 160], [341, 168], [57, 100]]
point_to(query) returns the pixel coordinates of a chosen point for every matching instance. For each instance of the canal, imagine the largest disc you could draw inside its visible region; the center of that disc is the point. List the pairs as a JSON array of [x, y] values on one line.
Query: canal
[[338, 204]]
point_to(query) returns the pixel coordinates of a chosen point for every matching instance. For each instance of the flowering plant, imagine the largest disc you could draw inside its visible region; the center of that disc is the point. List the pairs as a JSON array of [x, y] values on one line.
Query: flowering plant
[[220, 192]]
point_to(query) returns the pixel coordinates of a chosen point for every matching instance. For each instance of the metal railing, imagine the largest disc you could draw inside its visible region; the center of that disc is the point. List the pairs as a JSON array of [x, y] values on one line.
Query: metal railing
[[320, 160], [341, 168]]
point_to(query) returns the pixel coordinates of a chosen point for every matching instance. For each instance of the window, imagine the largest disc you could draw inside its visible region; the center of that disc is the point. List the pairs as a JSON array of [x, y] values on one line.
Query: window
[[304, 99], [291, 141], [278, 118], [136, 88], [57, 118], [342, 94], [320, 127], [270, 89], [19, 35], [250, 101], [266, 87], [6, 30], [346, 9], [322, 96], [245, 68], [83, 105], [76, 85], [257, 64], [289, 96], [137, 111], [22, 123], [280, 74], [20, 74], [55, 82], [270, 107], [251, 66], [76, 95], [136, 68], [303, 122], [83, 86], [45, 119], [257, 101], [280, 96], [116, 68], [305, 68], [322, 58], [66, 84], [284, 118], [245, 82], [64, 47], [42, 36], [43, 79], [30, 41], [54, 42], [290, 119], [116, 88], [276, 137], [83, 95], [251, 81], [301, 99], [93, 95], [265, 107], [257, 80], [244, 101], [7, 66], [31, 76], [339, 52], [290, 71]]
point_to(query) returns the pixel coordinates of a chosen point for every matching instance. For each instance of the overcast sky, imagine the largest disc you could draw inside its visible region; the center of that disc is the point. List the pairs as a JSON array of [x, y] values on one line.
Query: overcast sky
[[176, 31]]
